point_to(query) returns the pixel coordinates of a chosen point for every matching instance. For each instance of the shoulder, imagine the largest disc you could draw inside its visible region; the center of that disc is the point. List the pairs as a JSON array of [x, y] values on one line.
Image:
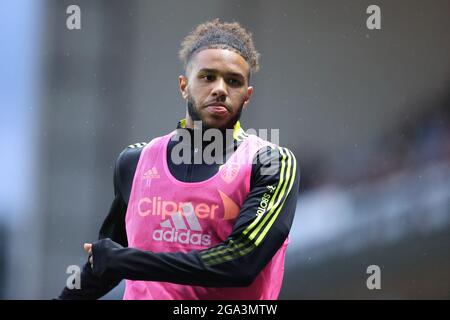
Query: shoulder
[[130, 154], [267, 151], [275, 162], [125, 167], [266, 155], [127, 161], [138, 145]]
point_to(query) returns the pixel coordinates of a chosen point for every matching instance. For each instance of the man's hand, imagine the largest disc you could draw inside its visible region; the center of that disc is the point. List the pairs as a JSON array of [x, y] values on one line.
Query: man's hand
[[105, 250], [88, 249]]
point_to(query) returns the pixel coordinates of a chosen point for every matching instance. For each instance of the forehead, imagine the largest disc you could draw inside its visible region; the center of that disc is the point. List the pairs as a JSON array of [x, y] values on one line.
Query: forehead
[[221, 59]]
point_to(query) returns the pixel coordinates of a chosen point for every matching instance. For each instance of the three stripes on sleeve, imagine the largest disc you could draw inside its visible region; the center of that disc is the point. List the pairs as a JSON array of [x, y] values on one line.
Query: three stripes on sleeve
[[256, 231]]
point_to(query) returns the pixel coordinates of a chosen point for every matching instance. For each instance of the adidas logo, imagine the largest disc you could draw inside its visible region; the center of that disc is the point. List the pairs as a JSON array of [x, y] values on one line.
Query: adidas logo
[[137, 145], [151, 174], [175, 230]]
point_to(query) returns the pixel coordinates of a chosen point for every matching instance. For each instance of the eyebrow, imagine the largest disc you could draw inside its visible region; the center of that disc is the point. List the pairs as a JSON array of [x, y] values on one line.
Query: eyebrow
[[235, 74]]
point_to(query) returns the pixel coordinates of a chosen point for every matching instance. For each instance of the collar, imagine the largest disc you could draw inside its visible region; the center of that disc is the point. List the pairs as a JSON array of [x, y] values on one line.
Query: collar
[[238, 133]]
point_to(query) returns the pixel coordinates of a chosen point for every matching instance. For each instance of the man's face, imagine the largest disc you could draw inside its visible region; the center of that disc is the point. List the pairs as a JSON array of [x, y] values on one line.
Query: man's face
[[216, 88]]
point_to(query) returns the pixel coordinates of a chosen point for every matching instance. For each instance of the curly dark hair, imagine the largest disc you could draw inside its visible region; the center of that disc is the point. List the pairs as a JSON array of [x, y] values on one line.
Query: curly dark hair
[[220, 35]]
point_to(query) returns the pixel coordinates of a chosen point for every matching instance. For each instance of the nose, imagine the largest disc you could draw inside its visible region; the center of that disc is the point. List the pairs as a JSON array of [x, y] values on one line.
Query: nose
[[220, 90]]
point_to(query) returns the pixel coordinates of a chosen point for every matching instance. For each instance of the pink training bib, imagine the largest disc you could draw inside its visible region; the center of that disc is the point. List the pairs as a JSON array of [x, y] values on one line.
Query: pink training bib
[[168, 215]]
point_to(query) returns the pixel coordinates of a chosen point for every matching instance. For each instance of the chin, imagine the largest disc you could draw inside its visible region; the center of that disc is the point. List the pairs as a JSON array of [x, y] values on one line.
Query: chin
[[214, 124]]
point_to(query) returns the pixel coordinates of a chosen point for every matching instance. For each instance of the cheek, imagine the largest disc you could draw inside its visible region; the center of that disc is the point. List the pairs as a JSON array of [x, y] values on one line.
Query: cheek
[[198, 94], [239, 98]]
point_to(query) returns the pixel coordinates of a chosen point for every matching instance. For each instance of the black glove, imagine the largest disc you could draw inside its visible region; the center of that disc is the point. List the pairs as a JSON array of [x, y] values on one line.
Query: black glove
[[102, 253]]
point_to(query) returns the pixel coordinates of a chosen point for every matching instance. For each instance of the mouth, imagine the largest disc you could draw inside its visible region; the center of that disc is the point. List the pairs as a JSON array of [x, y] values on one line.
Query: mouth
[[217, 108]]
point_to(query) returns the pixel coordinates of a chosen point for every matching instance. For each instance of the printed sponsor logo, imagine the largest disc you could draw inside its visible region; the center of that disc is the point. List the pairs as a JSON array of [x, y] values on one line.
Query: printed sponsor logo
[[157, 207], [183, 229], [229, 172], [151, 174]]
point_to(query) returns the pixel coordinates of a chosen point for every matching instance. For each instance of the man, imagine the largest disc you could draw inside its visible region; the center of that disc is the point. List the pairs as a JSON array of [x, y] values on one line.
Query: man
[[199, 229]]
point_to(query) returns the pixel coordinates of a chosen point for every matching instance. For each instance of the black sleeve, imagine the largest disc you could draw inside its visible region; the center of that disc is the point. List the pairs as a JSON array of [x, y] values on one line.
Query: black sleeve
[[258, 233], [113, 227]]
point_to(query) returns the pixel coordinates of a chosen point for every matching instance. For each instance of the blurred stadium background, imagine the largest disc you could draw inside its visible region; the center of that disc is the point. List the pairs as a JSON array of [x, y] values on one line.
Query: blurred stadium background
[[367, 114]]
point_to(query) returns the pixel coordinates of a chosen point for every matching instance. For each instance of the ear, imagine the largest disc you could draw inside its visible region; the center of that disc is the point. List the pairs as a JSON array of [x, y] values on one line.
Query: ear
[[183, 83], [248, 96]]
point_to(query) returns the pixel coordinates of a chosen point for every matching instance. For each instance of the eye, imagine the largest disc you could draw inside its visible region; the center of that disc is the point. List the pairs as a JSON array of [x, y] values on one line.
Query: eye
[[234, 82], [208, 77]]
